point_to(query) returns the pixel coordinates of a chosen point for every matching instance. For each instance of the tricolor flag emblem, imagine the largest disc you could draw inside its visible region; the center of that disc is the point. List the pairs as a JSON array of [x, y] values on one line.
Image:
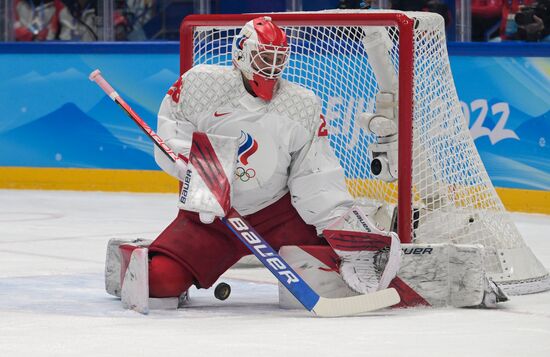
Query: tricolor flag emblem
[[247, 147]]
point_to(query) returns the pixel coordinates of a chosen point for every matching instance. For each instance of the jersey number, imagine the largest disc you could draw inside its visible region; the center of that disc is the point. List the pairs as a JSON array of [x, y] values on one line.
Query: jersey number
[[323, 127], [175, 90]]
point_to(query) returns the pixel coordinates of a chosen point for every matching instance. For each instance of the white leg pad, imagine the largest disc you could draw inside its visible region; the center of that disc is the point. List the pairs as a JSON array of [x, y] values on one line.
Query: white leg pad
[[444, 274], [113, 262], [135, 288], [430, 274], [163, 303], [326, 281]]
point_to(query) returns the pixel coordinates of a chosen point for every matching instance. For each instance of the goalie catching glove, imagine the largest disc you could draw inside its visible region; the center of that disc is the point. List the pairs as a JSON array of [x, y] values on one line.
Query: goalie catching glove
[[358, 243]]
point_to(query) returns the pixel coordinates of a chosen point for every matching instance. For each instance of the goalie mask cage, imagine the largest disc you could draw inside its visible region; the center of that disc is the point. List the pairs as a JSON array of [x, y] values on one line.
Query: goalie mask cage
[[443, 188]]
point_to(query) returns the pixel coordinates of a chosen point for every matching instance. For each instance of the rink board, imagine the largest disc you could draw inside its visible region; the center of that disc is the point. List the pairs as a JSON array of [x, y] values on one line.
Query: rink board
[[55, 119], [159, 182]]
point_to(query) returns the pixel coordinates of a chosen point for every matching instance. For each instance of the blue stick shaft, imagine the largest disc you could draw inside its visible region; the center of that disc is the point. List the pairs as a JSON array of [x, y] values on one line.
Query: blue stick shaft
[[271, 259]]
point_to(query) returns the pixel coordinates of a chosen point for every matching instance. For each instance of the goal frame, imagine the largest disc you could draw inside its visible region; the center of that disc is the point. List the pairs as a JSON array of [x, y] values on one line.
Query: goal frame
[[401, 21]]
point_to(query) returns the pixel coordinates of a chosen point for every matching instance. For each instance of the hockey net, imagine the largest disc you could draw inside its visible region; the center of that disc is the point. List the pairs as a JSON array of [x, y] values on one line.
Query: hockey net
[[443, 188]]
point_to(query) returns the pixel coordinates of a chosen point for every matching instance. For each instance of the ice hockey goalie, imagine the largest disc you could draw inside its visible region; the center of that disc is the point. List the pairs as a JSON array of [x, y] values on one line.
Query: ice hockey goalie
[[291, 188]]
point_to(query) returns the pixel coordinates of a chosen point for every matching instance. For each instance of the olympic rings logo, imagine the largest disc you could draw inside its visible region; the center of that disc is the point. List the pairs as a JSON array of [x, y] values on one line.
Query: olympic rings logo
[[245, 175]]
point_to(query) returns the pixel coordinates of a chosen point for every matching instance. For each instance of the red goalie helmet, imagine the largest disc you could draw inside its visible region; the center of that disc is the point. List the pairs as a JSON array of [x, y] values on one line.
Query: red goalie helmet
[[260, 52]]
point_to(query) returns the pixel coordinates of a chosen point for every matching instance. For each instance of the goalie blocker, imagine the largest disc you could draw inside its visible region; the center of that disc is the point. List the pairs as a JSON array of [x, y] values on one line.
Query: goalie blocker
[[430, 275]]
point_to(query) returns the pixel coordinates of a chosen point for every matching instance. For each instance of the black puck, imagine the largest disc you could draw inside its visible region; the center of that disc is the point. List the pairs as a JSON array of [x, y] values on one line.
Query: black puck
[[222, 291]]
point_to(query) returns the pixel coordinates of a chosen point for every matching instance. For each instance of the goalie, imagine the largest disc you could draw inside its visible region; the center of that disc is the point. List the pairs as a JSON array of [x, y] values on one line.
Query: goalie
[[287, 183]]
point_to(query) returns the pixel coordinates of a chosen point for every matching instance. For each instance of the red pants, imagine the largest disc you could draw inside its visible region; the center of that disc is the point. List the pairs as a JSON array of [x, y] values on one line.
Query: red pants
[[188, 251]]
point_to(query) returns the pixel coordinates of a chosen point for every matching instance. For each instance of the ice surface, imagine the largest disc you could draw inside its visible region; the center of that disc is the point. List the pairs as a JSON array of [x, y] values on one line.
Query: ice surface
[[53, 303]]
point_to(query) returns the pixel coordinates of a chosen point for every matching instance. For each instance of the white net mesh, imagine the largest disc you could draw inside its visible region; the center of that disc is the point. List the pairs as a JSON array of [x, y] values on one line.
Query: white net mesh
[[453, 198]]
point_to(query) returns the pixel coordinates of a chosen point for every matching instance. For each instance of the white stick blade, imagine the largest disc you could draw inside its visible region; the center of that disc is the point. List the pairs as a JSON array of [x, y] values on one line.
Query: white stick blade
[[354, 305]]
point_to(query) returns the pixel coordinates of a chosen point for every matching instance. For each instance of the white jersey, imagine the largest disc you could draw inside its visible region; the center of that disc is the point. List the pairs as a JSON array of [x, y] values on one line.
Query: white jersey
[[283, 144]]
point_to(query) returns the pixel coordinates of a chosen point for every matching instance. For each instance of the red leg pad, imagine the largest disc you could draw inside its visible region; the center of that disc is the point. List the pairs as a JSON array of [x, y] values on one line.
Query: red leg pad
[[167, 277]]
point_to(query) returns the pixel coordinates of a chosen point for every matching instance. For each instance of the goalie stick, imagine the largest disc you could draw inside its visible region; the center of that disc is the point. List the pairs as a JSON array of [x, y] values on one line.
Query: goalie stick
[[209, 170]]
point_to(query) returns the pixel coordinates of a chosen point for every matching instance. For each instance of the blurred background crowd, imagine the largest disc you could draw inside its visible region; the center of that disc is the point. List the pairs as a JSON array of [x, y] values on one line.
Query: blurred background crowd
[[141, 20]]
